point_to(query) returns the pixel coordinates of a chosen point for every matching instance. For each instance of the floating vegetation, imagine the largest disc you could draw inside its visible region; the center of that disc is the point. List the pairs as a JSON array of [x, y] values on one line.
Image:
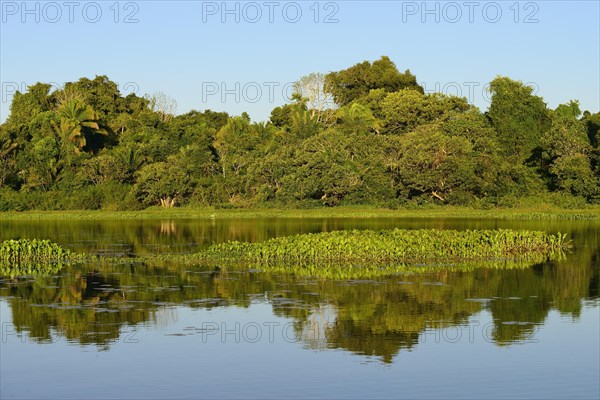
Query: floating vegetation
[[28, 257], [390, 246], [367, 254], [25, 250], [347, 254]]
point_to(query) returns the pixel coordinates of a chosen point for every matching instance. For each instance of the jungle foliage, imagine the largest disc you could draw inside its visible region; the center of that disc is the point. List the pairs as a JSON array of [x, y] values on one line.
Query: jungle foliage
[[381, 142]]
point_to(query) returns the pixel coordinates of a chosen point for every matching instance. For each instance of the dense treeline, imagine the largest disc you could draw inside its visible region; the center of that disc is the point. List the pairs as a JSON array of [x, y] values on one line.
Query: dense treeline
[[365, 135]]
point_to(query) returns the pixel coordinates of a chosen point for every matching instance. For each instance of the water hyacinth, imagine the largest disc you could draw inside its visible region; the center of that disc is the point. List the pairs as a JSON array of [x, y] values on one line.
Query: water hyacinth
[[389, 246], [28, 257]]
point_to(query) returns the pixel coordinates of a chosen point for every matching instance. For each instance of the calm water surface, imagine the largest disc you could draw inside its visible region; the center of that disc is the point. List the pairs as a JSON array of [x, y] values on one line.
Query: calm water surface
[[138, 331]]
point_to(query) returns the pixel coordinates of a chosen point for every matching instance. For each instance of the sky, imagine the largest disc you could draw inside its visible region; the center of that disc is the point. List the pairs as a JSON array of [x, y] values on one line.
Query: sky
[[244, 56]]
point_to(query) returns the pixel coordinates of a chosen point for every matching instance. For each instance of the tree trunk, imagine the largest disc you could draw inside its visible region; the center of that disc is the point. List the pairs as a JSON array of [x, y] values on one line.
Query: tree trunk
[[168, 202]]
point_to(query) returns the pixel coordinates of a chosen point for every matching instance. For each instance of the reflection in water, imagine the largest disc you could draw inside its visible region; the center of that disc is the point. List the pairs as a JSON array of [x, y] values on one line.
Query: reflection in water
[[130, 237], [142, 331], [95, 304], [168, 228]]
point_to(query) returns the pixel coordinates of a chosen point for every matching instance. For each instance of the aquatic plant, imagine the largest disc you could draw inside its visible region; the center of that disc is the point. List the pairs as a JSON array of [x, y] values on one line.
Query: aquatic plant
[[358, 254], [32, 250], [338, 255], [28, 257], [389, 246]]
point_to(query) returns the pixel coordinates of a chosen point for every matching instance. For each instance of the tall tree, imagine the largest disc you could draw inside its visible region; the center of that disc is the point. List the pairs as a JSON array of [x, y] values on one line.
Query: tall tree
[[356, 118], [355, 82], [101, 94], [312, 88], [567, 152], [78, 124], [519, 117], [8, 150], [163, 105], [407, 109], [26, 106]]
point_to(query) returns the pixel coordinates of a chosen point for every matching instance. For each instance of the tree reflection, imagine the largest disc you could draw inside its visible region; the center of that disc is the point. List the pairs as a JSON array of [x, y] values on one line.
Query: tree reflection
[[96, 304]]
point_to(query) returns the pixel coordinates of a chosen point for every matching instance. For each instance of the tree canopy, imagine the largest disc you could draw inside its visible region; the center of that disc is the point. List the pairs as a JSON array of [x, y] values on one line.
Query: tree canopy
[[384, 142]]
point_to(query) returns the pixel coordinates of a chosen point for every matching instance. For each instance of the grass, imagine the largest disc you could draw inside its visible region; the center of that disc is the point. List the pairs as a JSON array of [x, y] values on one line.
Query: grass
[[538, 213]]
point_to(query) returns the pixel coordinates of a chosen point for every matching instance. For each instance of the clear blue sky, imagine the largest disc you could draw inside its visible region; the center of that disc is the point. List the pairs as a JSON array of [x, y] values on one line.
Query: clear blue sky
[[187, 51]]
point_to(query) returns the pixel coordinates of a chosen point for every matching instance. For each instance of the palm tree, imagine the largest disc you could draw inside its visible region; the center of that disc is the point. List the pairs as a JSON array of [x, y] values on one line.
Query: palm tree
[[357, 118], [303, 124], [78, 123], [131, 159]]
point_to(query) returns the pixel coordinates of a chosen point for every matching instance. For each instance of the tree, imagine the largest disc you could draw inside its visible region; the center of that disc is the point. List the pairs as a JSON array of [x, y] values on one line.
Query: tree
[[574, 175], [118, 165], [8, 150], [233, 142], [374, 102], [102, 95], [355, 82], [566, 149], [407, 109], [161, 183], [519, 117], [434, 164], [282, 116], [163, 105], [43, 163], [26, 106], [303, 125], [78, 124], [357, 118], [332, 167], [592, 123], [312, 88]]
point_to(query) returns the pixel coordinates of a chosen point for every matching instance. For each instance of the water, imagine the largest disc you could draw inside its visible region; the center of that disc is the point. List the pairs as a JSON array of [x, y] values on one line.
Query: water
[[136, 331]]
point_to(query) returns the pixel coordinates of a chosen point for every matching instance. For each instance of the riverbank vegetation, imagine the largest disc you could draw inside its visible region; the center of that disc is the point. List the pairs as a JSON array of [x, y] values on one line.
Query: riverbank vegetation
[[367, 135], [433, 211]]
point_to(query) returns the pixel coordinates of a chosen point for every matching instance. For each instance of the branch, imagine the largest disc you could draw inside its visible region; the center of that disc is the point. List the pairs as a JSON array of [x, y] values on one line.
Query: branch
[[437, 195]]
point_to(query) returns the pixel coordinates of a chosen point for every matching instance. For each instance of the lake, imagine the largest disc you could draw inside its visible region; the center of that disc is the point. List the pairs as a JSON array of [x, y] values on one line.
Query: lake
[[129, 330]]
